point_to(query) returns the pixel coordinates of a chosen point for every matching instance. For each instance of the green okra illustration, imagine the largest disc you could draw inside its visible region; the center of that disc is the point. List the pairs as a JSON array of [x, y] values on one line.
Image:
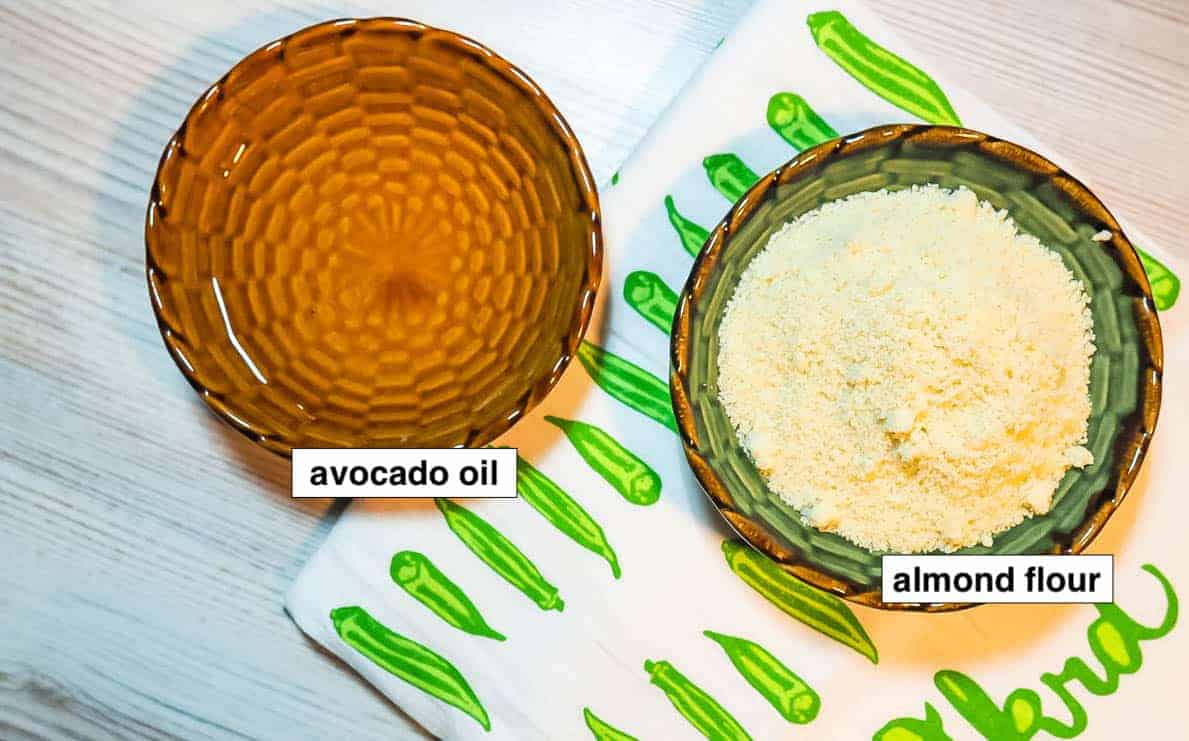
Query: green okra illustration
[[500, 554], [648, 294], [426, 583], [692, 236], [407, 659], [628, 383], [879, 70], [563, 512], [798, 124], [632, 477], [701, 710], [729, 175], [1165, 285], [795, 700], [603, 731], [823, 612]]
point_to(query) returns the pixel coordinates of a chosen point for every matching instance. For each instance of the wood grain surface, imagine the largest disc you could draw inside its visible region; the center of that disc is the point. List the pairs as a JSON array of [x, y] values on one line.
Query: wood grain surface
[[1105, 83], [144, 547]]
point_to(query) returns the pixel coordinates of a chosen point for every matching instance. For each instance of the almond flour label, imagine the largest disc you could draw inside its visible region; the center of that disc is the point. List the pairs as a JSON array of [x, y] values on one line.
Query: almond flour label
[[1019, 579]]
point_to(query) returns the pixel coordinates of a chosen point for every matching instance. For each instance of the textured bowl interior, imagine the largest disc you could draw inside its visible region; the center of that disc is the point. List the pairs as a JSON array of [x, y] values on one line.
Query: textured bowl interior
[[373, 233], [1043, 200]]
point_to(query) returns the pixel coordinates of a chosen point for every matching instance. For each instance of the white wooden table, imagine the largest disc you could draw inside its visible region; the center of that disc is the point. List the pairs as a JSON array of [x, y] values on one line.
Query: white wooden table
[[144, 547]]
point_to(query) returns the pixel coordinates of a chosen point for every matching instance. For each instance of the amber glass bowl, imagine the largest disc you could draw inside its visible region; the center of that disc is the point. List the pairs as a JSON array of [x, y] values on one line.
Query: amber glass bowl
[[373, 233], [1125, 374]]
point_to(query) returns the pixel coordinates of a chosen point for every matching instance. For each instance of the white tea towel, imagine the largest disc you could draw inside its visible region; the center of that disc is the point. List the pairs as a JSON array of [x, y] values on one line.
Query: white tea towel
[[675, 583]]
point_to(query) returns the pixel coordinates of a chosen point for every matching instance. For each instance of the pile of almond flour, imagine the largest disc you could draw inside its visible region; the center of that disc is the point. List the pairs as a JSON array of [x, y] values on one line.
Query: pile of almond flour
[[908, 370]]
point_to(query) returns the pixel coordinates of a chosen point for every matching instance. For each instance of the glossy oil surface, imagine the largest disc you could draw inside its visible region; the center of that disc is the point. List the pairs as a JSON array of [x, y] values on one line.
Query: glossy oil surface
[[373, 233]]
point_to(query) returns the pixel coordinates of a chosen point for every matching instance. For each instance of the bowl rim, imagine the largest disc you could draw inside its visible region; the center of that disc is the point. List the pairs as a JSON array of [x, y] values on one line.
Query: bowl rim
[[807, 164], [583, 180]]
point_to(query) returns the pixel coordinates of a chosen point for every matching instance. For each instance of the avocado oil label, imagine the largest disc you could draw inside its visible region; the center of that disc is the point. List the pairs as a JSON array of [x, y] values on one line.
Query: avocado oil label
[[405, 473]]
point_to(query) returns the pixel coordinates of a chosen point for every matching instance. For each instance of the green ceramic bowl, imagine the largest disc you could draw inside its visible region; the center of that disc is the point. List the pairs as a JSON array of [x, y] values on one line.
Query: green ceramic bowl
[[1044, 200]]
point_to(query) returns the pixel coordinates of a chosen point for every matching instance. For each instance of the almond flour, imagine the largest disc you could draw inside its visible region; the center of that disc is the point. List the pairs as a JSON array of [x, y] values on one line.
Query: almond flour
[[909, 370]]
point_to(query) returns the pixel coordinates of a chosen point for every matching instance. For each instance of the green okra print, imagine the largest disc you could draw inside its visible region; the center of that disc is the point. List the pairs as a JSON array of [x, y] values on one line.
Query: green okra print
[[628, 383], [426, 583], [500, 554], [823, 612], [798, 124], [563, 512], [879, 70], [647, 293], [701, 710], [407, 659], [729, 175], [603, 731], [1165, 285], [795, 700], [692, 235], [632, 477]]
